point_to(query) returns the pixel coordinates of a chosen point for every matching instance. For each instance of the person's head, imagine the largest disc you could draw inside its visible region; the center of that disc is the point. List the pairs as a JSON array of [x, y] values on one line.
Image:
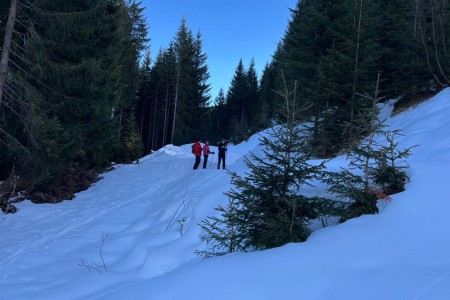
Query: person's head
[[207, 142], [198, 141], [223, 140]]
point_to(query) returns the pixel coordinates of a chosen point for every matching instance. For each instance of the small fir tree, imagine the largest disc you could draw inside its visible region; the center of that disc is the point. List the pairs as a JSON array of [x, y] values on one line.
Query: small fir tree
[[356, 187], [372, 166], [222, 233], [391, 172], [267, 208]]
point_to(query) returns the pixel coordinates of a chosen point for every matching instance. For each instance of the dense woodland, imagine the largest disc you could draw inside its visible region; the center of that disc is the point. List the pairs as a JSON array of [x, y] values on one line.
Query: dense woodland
[[79, 90]]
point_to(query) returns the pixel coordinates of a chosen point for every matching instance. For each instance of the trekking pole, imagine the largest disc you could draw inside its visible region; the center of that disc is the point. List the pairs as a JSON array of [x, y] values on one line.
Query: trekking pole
[[211, 163], [225, 158]]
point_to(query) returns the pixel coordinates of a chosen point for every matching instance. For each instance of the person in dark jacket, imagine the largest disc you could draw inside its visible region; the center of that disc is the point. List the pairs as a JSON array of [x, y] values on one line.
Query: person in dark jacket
[[222, 153], [206, 152], [198, 153]]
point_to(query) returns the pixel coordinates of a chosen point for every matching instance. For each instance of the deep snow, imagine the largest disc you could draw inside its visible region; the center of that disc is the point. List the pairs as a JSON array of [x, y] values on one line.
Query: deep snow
[[147, 215]]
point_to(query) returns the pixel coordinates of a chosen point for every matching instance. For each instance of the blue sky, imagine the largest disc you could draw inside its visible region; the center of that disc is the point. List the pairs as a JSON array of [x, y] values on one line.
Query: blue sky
[[230, 30]]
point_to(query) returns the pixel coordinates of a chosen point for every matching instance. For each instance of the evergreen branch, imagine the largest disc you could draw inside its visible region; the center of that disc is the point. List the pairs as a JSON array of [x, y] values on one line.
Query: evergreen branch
[[47, 12], [19, 57], [45, 85], [26, 26], [15, 141], [19, 47], [16, 93], [11, 108]]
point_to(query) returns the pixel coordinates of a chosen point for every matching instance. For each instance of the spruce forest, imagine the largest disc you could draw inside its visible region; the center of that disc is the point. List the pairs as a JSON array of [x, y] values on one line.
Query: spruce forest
[[79, 90]]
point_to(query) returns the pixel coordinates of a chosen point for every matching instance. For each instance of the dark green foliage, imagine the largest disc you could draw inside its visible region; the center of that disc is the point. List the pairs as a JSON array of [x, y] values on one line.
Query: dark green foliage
[[236, 103], [201, 88], [241, 108], [70, 98], [174, 93], [396, 54], [374, 169], [142, 111], [315, 51], [73, 73], [390, 174], [133, 145], [157, 95], [222, 233], [357, 188], [190, 84], [350, 187], [390, 179], [267, 102], [252, 98], [267, 208], [431, 42], [335, 49], [218, 116]]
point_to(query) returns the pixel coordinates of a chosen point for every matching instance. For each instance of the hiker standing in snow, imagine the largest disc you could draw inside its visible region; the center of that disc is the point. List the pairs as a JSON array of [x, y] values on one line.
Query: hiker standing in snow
[[222, 153], [197, 150], [206, 152]]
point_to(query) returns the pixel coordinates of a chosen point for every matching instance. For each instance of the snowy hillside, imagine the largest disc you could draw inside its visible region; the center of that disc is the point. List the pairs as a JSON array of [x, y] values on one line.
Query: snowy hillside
[[146, 216]]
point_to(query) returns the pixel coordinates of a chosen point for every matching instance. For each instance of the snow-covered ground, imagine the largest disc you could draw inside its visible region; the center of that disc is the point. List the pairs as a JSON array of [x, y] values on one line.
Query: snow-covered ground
[[147, 214]]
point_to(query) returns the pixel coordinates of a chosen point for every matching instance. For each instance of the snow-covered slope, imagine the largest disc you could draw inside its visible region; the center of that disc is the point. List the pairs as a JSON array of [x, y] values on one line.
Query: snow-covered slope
[[146, 214]]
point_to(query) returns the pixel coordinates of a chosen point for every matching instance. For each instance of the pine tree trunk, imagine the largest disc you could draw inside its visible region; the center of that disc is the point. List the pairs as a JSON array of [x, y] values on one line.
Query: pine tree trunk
[[242, 117], [6, 46], [153, 131], [355, 70], [120, 127], [150, 128], [175, 106], [141, 132], [166, 116], [434, 15]]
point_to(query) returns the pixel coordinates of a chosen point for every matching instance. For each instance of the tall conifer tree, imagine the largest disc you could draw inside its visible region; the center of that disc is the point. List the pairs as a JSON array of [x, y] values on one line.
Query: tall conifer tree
[[69, 77], [236, 102], [252, 97], [191, 88], [266, 102]]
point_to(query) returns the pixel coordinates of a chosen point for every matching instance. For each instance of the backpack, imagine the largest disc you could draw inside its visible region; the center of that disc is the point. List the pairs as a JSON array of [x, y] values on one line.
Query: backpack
[[193, 148]]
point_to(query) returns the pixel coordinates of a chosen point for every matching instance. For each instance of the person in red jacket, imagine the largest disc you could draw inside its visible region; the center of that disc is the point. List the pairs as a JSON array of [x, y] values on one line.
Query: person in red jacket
[[206, 152], [198, 153]]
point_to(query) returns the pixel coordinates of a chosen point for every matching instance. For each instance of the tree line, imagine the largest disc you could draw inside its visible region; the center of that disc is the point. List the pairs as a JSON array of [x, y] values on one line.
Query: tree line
[[80, 89], [336, 50], [68, 85], [172, 105], [333, 54], [276, 201]]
